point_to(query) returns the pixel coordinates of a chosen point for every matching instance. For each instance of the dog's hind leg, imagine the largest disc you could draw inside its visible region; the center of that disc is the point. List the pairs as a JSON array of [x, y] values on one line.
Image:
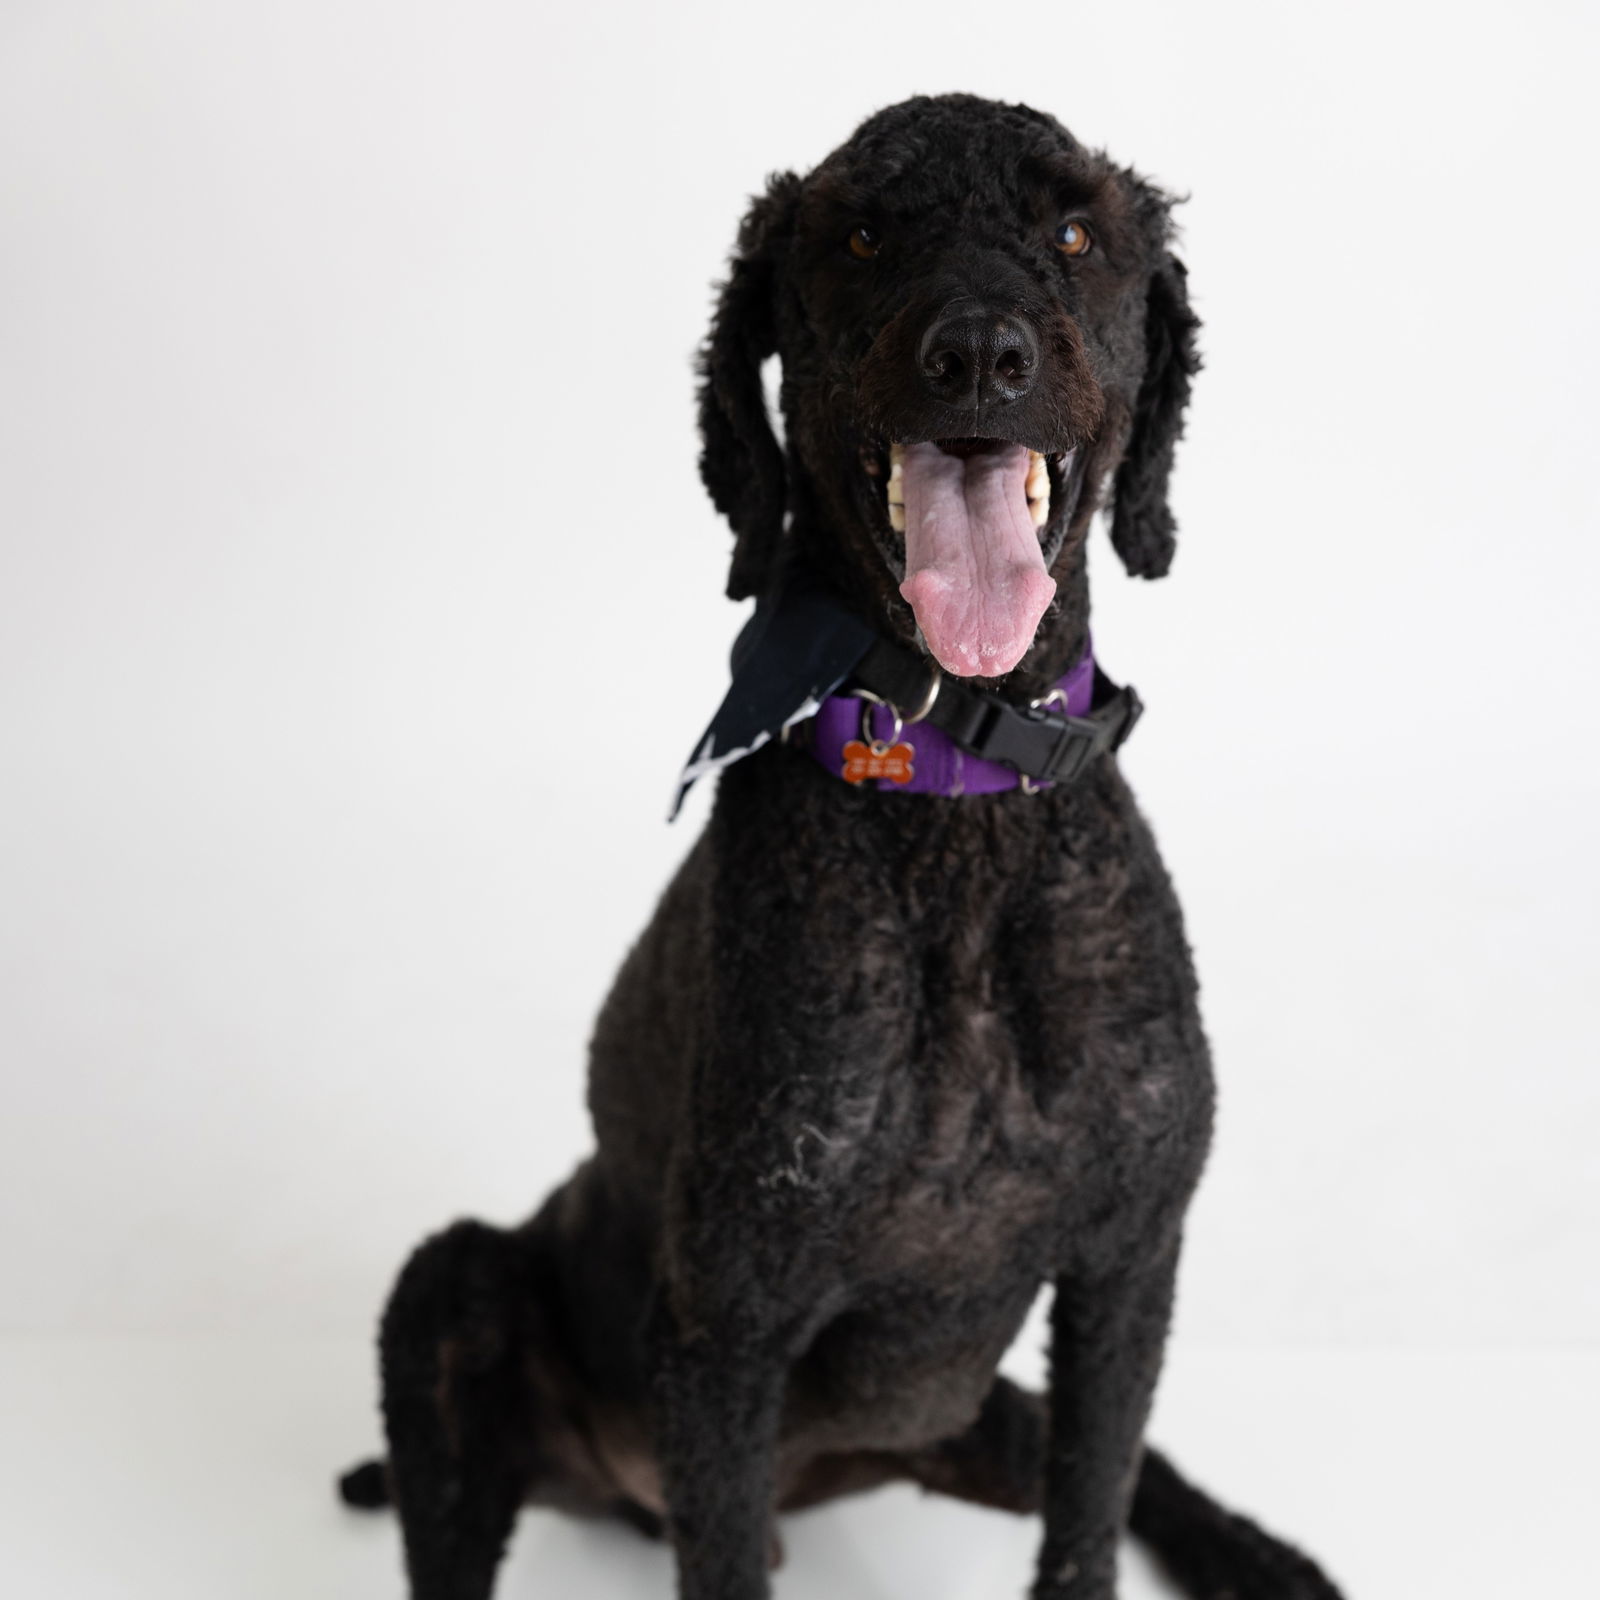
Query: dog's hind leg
[[1000, 1462], [456, 1407], [997, 1462]]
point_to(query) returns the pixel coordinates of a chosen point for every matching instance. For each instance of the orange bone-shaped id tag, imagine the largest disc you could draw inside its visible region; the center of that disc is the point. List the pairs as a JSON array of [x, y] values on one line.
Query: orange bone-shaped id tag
[[877, 760]]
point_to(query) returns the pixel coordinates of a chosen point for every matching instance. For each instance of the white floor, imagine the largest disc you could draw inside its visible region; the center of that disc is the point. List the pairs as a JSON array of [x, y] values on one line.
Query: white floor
[[204, 1469]]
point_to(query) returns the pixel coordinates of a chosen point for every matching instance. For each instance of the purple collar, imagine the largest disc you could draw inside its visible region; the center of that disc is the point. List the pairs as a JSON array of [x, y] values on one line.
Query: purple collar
[[857, 740], [803, 645]]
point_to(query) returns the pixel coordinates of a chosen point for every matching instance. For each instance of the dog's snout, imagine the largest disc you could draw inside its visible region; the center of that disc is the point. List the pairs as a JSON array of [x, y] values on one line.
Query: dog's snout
[[974, 357]]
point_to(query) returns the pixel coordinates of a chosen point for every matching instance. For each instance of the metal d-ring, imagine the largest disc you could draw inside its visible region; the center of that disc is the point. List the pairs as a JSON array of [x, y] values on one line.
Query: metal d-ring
[[934, 685], [868, 700], [901, 720]]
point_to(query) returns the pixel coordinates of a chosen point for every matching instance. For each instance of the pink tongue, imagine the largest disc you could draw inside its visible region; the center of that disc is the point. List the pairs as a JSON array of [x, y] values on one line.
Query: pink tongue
[[974, 572]]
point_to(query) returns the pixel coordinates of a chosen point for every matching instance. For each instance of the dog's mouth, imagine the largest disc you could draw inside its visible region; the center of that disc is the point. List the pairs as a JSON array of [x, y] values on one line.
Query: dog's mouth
[[973, 514]]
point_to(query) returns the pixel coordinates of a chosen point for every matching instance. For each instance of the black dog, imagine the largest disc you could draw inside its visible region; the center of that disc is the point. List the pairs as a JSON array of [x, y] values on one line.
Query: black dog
[[882, 1064]]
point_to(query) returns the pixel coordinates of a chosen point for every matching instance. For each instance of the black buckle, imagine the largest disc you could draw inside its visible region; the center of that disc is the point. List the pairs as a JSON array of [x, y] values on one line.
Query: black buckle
[[1077, 744]]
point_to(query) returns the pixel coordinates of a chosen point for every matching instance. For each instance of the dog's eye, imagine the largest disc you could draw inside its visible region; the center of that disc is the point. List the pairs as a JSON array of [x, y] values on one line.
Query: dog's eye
[[1073, 239], [864, 243]]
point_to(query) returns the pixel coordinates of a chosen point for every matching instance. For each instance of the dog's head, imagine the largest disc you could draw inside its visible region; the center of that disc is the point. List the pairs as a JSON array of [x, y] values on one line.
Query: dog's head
[[980, 325]]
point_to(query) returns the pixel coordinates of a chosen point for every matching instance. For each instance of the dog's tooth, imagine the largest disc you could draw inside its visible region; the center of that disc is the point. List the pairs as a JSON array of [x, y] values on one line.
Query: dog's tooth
[[1038, 477], [897, 490], [1039, 510], [897, 517], [897, 456]]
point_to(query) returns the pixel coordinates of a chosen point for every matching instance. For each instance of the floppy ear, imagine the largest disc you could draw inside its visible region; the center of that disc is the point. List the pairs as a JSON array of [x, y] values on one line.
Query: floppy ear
[[1142, 527], [741, 462]]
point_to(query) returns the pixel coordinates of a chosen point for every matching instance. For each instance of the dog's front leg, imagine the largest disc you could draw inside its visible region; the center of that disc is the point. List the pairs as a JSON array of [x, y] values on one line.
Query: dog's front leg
[[742, 1295], [745, 1284], [1107, 1334], [720, 1396], [805, 999]]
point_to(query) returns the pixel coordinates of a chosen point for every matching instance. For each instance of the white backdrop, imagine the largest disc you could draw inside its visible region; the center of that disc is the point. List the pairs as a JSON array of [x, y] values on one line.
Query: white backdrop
[[347, 478]]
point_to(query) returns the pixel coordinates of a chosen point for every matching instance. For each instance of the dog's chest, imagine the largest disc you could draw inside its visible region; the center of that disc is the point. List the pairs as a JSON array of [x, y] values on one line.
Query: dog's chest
[[973, 1154], [984, 1025], [1032, 1085]]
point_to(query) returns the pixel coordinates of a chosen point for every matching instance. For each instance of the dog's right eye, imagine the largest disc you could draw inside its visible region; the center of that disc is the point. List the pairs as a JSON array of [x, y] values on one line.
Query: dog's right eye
[[864, 243], [1074, 239]]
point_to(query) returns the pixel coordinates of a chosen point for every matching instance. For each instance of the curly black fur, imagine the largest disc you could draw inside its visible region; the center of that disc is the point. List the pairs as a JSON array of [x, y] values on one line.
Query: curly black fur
[[741, 463], [1142, 529], [881, 1066]]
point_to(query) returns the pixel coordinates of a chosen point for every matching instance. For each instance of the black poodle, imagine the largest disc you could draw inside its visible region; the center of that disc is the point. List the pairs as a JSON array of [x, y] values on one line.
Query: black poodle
[[913, 1031]]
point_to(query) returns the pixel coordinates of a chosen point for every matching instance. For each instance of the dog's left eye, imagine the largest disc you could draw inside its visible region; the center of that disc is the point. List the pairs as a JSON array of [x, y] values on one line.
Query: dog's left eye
[[1073, 239], [865, 244]]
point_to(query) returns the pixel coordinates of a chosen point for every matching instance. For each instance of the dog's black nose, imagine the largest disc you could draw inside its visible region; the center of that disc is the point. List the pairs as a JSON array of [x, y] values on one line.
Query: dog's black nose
[[972, 357]]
